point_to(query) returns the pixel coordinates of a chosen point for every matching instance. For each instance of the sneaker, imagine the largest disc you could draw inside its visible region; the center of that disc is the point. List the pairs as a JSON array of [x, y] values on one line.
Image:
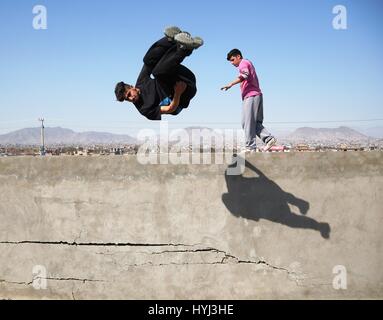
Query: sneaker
[[171, 32], [198, 42], [269, 144], [187, 41]]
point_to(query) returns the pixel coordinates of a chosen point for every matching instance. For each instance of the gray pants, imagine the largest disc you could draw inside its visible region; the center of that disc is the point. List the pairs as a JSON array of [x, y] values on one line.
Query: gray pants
[[252, 119]]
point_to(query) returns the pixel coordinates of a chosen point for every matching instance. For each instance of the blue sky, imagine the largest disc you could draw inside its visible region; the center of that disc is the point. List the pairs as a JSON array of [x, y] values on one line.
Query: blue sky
[[308, 71]]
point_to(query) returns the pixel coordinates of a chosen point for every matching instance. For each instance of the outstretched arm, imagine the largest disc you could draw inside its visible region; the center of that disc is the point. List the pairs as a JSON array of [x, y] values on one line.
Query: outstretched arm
[[179, 88], [236, 81]]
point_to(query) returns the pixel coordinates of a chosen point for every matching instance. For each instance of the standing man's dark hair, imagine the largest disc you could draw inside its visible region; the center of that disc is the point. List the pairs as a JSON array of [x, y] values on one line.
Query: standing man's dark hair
[[233, 53]]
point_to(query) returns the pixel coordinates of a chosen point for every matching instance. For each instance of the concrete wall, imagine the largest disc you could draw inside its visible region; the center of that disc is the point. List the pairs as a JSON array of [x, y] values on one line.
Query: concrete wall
[[109, 227]]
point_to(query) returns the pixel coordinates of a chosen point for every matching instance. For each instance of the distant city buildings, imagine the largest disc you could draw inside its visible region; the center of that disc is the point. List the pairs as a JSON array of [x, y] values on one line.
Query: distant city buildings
[[129, 149], [66, 142]]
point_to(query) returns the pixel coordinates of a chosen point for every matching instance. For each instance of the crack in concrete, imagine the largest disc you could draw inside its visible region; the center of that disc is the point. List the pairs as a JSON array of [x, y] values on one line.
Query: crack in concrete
[[70, 279], [227, 258], [50, 278], [196, 250], [13, 282], [100, 244], [223, 261], [78, 237], [294, 276]]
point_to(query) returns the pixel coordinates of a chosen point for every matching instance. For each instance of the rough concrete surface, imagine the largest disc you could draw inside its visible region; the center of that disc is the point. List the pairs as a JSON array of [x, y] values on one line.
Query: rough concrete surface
[[112, 228]]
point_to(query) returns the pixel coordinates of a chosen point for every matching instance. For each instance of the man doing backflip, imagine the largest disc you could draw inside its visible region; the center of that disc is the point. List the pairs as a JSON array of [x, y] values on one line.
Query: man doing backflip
[[172, 86]]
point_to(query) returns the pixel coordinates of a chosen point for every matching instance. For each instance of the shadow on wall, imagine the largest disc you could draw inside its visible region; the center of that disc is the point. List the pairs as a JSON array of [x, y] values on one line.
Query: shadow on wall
[[260, 198]]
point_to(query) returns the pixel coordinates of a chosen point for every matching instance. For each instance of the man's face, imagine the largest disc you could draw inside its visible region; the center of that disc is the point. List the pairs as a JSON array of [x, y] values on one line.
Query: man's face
[[132, 95], [235, 60]]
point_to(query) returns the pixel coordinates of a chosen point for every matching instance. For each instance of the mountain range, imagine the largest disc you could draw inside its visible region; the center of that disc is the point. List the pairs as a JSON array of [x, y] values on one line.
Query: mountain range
[[58, 135], [340, 134], [62, 136]]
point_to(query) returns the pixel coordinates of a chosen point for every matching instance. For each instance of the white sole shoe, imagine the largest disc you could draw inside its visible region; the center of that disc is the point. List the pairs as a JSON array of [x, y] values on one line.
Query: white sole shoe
[[186, 40], [198, 42], [271, 143], [171, 32]]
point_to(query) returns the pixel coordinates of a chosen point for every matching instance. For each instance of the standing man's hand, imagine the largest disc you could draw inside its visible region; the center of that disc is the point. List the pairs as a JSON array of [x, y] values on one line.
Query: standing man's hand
[[227, 87], [235, 82]]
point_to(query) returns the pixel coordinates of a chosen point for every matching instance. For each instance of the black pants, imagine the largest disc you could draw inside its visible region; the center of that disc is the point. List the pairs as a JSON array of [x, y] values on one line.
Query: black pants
[[164, 58]]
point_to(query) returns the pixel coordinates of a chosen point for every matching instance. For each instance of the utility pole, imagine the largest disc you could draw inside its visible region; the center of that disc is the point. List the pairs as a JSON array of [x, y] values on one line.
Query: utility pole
[[42, 142]]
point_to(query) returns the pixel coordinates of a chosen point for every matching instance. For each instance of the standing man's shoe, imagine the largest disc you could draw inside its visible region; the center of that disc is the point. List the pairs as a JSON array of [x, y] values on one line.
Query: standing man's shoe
[[187, 41], [269, 144], [171, 32]]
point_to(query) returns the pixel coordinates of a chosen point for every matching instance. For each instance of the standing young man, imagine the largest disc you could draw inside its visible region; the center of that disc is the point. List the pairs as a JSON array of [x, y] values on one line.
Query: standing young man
[[172, 86], [252, 105]]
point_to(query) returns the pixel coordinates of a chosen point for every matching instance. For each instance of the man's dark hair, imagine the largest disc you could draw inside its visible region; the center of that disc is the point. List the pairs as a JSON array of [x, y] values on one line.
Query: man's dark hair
[[233, 53], [120, 90]]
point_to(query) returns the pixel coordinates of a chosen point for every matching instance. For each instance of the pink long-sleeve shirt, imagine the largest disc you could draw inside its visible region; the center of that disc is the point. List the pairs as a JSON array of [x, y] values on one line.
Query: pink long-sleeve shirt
[[250, 85]]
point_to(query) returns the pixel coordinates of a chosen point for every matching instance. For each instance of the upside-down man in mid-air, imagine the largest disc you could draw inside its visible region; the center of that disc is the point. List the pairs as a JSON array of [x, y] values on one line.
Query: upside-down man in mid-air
[[173, 85]]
